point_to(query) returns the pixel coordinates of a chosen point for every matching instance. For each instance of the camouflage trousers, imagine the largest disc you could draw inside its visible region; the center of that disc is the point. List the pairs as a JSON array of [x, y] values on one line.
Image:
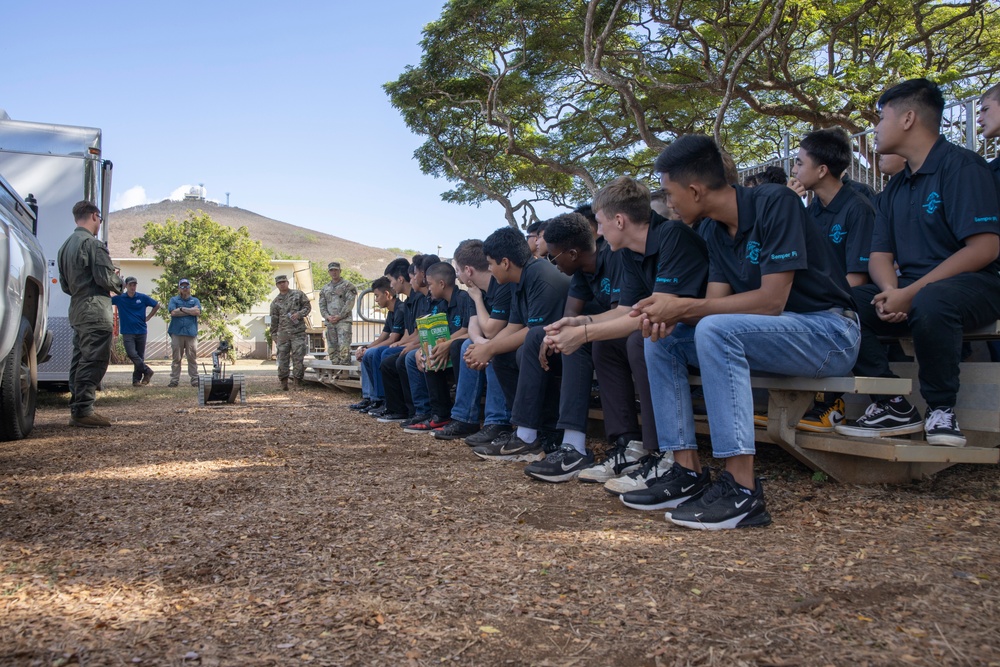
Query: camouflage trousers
[[91, 354], [338, 342], [291, 348]]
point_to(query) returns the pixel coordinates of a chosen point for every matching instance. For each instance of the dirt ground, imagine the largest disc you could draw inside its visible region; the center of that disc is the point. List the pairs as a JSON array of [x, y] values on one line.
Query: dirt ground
[[292, 531]]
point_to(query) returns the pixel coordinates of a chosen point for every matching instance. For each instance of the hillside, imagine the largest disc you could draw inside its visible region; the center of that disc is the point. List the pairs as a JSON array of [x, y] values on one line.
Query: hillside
[[126, 224]]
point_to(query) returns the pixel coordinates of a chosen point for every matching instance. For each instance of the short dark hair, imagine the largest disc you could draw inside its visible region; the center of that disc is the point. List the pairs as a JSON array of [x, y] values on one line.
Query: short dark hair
[[398, 268], [830, 146], [992, 93], [426, 261], [507, 243], [773, 174], [382, 284], [626, 196], [751, 181], [693, 156], [470, 253], [569, 231], [442, 271], [84, 209], [533, 227], [922, 95], [587, 211]]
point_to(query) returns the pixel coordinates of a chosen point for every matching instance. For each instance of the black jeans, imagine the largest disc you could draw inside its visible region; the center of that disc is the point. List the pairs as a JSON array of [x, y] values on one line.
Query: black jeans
[[621, 372], [439, 383], [940, 313], [395, 399], [135, 348], [532, 394]]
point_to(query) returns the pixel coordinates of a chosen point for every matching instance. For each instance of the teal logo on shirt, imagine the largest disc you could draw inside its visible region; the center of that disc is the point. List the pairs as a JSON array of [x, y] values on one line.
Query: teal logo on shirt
[[932, 203], [837, 234], [753, 252], [457, 321], [605, 286]]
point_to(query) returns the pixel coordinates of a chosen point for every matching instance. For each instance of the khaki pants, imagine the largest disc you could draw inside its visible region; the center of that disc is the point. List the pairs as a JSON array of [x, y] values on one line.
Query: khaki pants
[[182, 346]]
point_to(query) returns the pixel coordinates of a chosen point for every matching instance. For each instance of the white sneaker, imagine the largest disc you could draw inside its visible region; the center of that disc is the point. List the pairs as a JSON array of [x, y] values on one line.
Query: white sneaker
[[621, 459], [650, 468]]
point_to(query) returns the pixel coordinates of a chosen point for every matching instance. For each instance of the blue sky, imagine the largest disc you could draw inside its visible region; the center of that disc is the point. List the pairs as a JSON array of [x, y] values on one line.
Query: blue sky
[[279, 104]]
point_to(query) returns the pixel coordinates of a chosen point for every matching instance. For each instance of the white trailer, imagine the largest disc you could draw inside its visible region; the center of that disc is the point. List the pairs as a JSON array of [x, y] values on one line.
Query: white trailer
[[58, 165]]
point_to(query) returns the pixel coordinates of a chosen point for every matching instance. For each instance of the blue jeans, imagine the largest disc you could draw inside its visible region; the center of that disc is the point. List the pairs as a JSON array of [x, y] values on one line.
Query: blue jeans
[[727, 348], [469, 391], [371, 362], [418, 385]]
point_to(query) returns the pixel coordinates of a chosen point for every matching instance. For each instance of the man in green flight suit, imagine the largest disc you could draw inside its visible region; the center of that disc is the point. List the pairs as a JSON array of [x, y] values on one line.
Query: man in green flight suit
[[336, 301], [88, 276], [288, 329]]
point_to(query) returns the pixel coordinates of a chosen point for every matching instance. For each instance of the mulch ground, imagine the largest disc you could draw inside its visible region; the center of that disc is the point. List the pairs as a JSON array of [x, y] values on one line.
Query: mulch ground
[[292, 531]]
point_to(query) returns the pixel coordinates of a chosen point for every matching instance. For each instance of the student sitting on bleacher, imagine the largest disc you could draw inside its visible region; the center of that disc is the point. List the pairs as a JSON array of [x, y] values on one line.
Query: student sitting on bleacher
[[938, 220], [989, 121], [775, 302], [538, 298], [398, 273], [372, 393], [492, 309], [845, 218]]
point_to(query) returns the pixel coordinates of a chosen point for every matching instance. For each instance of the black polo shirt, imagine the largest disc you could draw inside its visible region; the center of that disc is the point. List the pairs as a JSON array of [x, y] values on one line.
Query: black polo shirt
[[394, 318], [459, 309], [539, 298], [601, 289], [417, 305], [775, 235], [847, 224], [675, 262], [863, 189], [497, 300], [924, 217]]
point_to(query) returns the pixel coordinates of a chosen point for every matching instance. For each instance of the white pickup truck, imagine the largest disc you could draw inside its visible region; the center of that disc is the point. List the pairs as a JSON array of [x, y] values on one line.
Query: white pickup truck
[[24, 339]]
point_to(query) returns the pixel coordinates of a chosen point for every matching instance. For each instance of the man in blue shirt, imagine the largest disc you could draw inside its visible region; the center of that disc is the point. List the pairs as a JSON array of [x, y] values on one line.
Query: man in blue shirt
[[183, 329], [939, 221], [132, 318]]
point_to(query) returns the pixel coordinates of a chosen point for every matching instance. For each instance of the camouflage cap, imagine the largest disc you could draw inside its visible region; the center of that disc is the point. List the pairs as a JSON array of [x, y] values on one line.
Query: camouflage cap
[[332, 265], [280, 279]]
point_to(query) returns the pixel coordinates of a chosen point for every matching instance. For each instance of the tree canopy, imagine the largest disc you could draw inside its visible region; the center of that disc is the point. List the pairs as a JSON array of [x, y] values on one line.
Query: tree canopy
[[229, 271], [554, 98]]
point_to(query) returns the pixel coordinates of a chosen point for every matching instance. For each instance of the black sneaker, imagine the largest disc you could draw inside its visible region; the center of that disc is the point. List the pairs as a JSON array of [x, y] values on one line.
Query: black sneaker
[[885, 418], [455, 429], [723, 505], [428, 425], [392, 417], [511, 448], [375, 413], [414, 420], [941, 428], [361, 406], [561, 465], [376, 404], [551, 441], [487, 434], [670, 489]]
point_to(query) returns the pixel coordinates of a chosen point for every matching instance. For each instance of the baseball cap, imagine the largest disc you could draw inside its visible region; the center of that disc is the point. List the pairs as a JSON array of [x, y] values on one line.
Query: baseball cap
[[184, 282], [130, 280], [332, 265]]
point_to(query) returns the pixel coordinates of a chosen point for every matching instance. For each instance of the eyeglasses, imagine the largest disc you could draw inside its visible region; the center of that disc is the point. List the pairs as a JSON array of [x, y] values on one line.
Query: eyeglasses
[[99, 216], [554, 258]]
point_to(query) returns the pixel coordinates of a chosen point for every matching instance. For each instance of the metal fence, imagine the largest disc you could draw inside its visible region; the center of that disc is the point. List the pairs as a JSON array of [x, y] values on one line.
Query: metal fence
[[369, 318], [958, 125]]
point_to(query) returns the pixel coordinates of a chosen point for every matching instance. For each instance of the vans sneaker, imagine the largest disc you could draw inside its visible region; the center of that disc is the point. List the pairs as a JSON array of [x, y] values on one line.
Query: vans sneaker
[[561, 465], [941, 428], [622, 458], [511, 448], [885, 418], [823, 418], [672, 488], [651, 466], [723, 505], [455, 429]]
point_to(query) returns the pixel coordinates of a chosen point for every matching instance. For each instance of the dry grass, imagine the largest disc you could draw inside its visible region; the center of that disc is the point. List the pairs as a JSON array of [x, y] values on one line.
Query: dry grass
[[291, 531]]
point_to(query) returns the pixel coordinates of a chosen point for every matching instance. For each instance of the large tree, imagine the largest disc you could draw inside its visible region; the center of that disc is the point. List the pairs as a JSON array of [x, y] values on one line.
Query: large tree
[[229, 271], [523, 101]]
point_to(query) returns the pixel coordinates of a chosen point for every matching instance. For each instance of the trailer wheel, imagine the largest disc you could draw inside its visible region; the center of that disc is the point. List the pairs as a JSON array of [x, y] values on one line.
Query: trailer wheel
[[19, 387]]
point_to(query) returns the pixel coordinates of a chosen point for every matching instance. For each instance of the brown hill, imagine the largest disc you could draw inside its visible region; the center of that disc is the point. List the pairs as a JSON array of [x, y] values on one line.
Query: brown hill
[[126, 224]]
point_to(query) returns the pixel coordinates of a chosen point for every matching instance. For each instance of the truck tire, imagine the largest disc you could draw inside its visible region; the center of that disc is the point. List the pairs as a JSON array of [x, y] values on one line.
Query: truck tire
[[18, 387]]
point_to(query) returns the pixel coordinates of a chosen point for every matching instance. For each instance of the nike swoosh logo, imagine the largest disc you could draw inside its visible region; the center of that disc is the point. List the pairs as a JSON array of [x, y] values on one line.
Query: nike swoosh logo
[[742, 503], [685, 489], [565, 467], [504, 450]]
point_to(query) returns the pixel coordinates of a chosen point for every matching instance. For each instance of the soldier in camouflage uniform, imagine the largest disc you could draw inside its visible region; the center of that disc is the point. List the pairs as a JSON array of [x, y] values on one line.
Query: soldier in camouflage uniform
[[288, 330], [336, 301], [88, 276]]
